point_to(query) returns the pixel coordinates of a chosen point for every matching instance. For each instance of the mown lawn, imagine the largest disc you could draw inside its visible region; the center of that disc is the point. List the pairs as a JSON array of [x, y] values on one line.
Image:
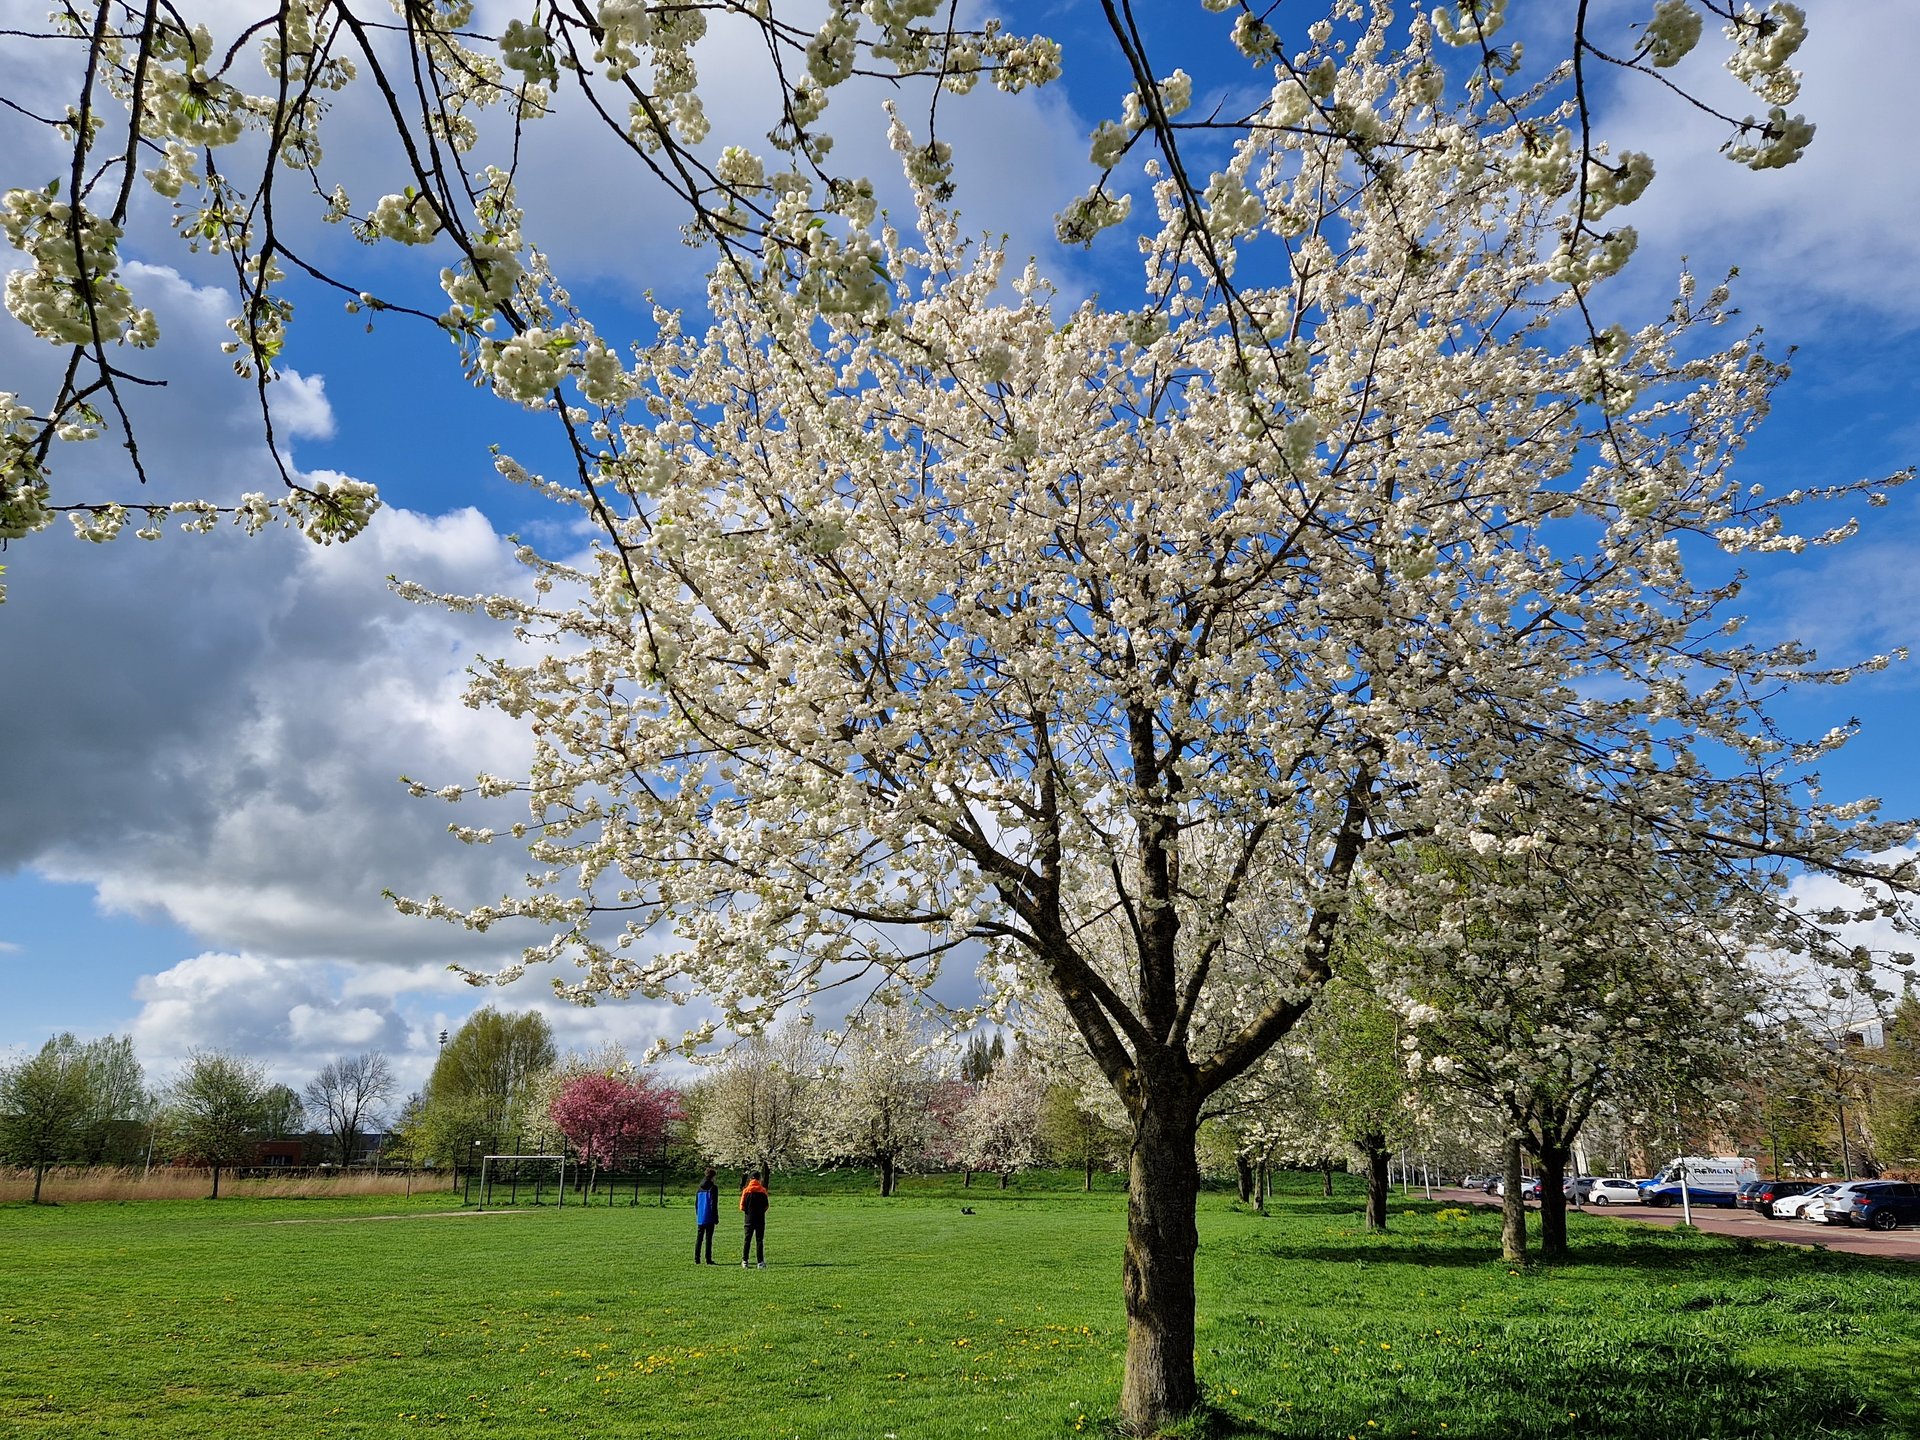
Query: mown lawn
[[910, 1318]]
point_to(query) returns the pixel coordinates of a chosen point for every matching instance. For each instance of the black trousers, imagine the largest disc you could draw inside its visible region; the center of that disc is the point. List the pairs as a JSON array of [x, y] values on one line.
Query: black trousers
[[703, 1236], [755, 1240]]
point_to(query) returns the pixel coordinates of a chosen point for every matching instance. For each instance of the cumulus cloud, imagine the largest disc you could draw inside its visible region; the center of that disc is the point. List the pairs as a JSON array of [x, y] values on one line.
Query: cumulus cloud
[[234, 766], [1839, 227], [282, 1011], [296, 1015]]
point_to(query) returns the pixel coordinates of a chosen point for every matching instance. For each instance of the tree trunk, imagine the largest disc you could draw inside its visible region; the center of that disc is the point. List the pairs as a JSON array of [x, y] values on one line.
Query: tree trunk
[[886, 1175], [1379, 1182], [1513, 1208], [1326, 1178], [1163, 1193], [1553, 1203], [1087, 1184], [39, 1174], [216, 1184], [966, 1179], [1243, 1177], [1262, 1183], [1005, 1177]]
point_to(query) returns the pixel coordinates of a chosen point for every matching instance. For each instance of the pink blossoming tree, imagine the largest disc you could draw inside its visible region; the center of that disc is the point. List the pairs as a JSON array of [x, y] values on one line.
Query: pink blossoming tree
[[605, 1117]]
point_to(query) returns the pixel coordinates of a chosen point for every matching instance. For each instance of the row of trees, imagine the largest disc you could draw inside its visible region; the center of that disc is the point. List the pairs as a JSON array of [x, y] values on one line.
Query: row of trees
[[889, 1094], [1358, 1084], [89, 1103]]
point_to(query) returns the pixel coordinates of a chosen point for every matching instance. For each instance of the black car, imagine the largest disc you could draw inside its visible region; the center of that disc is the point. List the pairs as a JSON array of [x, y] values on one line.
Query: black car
[[1885, 1205], [1760, 1194]]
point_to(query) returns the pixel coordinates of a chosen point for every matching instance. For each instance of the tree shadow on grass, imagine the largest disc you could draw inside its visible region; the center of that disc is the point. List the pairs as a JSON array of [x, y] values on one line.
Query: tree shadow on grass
[[1291, 1207], [1382, 1252], [1758, 1259]]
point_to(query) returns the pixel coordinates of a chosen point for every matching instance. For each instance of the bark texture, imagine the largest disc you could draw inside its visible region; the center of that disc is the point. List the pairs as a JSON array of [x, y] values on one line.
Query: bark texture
[[1513, 1208], [1553, 1203], [1163, 1192], [1379, 1183]]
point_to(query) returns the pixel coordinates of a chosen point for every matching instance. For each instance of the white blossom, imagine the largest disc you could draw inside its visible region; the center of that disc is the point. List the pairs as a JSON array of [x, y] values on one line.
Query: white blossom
[[1673, 32]]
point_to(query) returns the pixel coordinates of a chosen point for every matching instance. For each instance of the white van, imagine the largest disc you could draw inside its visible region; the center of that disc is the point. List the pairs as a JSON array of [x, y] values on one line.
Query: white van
[[1710, 1180]]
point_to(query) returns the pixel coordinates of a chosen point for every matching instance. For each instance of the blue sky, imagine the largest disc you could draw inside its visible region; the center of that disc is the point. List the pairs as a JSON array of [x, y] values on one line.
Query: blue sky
[[199, 806]]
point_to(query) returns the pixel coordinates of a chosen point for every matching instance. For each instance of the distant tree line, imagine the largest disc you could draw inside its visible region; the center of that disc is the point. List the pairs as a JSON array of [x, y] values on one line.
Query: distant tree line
[[1364, 1084]]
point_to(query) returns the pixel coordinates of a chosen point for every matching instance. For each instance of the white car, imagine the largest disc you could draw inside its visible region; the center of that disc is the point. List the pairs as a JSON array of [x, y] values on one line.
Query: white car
[[1790, 1207], [1833, 1208], [1611, 1190]]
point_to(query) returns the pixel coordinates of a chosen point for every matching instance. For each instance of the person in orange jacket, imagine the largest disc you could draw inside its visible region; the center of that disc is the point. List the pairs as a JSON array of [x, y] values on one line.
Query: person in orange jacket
[[753, 1205]]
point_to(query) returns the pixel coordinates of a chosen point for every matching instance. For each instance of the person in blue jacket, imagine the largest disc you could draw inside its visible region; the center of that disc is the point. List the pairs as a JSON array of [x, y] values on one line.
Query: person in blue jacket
[[706, 1217]]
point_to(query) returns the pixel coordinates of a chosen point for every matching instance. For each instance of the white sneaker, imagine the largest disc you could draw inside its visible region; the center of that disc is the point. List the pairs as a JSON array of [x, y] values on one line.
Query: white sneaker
[[745, 1266], [763, 1264]]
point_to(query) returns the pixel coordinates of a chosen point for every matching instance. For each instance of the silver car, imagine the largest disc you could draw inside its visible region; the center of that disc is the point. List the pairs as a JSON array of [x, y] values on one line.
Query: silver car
[[1612, 1190]]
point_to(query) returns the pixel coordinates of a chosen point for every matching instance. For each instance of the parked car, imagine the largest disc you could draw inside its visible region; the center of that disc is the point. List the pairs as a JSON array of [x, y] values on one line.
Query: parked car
[[1613, 1190], [1836, 1208], [1580, 1188], [1885, 1205], [1759, 1195], [1790, 1208], [1476, 1182]]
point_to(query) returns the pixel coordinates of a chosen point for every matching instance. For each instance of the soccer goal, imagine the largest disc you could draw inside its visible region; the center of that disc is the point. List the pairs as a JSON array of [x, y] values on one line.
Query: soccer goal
[[541, 1176]]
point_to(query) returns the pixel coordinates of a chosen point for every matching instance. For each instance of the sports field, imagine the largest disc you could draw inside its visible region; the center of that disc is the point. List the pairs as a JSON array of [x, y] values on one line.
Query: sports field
[[383, 1316]]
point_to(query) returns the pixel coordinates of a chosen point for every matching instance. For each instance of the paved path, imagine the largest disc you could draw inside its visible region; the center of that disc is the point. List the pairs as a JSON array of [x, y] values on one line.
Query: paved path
[[1901, 1244]]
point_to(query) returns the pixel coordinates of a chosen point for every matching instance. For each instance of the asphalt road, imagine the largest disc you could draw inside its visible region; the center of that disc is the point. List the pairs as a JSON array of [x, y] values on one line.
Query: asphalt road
[[1902, 1244]]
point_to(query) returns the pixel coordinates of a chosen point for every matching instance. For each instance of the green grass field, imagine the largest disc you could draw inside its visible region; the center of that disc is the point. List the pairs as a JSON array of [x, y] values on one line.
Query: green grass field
[[383, 1316]]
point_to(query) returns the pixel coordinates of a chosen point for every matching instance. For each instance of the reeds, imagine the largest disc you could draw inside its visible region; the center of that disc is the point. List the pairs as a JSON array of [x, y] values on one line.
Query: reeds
[[73, 1185]]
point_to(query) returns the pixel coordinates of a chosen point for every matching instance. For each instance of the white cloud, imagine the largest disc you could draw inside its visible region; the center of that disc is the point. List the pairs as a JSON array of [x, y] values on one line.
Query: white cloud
[[1879, 936], [335, 1028], [1841, 227], [235, 768], [211, 728], [300, 406], [280, 1011], [296, 1015]]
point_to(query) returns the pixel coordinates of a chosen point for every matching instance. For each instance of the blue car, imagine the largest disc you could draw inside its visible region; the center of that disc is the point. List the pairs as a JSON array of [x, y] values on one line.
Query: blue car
[[1885, 1205]]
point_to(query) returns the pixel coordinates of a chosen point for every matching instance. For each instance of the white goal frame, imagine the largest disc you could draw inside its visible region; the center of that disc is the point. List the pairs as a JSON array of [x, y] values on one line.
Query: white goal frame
[[486, 1179]]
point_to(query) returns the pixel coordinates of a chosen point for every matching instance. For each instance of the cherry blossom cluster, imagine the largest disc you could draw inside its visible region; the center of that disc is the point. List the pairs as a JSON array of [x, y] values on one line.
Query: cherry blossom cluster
[[193, 97], [73, 295]]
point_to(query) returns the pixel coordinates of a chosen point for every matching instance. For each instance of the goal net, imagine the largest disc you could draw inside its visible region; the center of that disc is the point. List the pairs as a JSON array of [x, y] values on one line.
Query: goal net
[[523, 1180]]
